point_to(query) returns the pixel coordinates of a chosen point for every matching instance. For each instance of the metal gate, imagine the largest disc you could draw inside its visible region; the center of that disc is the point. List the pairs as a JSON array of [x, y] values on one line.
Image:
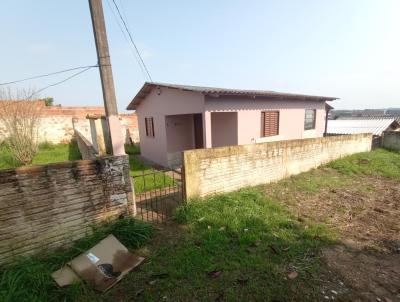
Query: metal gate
[[158, 193]]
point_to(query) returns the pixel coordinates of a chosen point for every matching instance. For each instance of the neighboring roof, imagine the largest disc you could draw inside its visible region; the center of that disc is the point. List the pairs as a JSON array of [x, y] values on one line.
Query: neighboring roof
[[216, 92], [328, 107], [376, 117], [374, 126]]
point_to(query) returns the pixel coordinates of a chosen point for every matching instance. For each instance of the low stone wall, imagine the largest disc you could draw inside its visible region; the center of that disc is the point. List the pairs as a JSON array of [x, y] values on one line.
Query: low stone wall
[[391, 140], [85, 146], [217, 170], [51, 205]]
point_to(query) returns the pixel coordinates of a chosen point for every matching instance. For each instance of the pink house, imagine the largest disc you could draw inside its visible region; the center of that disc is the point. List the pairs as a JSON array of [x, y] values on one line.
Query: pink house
[[173, 118]]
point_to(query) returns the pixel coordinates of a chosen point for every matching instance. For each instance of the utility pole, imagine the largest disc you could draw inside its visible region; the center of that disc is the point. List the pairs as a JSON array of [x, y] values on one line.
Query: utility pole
[[107, 82]]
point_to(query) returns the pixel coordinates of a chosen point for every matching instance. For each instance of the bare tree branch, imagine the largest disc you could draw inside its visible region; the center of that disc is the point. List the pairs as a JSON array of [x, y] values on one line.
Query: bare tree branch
[[20, 116]]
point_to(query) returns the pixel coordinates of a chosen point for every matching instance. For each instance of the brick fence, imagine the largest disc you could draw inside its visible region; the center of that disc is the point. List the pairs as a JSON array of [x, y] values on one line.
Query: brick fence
[[51, 205], [217, 170], [57, 123]]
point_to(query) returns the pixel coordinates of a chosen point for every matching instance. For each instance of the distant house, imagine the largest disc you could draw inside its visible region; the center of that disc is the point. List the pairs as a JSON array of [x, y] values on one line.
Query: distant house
[[373, 125], [173, 118]]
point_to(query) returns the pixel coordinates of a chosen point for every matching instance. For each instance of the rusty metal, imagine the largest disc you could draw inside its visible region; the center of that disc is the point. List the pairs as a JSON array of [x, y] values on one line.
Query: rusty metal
[[162, 193]]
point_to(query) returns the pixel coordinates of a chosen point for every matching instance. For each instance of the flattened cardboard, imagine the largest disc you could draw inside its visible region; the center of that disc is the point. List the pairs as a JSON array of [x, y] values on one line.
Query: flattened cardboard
[[105, 264], [65, 276]]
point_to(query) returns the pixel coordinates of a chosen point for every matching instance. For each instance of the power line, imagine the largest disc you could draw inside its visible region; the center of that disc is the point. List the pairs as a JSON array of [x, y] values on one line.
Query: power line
[[48, 86], [47, 75], [62, 81], [131, 39], [127, 40]]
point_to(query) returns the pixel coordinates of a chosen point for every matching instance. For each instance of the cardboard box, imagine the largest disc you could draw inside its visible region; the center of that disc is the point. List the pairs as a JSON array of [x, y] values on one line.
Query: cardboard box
[[102, 266]]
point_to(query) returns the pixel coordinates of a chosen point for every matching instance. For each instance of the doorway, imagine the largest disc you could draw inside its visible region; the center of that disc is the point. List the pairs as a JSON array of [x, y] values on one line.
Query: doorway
[[198, 130]]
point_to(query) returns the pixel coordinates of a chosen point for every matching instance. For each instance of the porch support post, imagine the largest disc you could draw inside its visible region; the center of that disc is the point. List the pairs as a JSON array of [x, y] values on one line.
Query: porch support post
[[207, 129]]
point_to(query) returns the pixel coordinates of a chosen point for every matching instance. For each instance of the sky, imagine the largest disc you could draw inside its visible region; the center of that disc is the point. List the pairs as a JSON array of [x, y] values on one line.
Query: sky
[[346, 49]]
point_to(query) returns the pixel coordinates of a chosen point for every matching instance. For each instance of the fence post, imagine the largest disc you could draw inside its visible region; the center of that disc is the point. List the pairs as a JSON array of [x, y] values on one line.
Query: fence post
[[131, 198]]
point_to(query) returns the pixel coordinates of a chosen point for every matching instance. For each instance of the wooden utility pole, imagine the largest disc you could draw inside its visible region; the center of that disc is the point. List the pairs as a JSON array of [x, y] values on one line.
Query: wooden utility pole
[[107, 82]]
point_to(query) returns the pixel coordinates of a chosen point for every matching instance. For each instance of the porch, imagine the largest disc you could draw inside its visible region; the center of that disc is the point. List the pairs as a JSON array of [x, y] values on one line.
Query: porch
[[197, 131]]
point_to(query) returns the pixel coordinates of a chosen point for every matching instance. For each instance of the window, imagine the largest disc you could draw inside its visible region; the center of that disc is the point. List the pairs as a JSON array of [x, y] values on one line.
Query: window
[[269, 123], [149, 126], [309, 119]]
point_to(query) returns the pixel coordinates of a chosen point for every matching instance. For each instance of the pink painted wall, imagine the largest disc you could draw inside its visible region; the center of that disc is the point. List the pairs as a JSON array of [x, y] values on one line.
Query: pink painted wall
[[173, 133], [180, 132], [291, 121], [224, 129], [158, 104]]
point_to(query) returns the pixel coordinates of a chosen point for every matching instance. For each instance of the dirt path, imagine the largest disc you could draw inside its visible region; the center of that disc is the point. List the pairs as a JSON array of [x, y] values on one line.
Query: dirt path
[[366, 215]]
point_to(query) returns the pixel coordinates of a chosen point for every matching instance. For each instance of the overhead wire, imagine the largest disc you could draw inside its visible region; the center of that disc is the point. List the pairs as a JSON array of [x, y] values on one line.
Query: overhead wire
[[47, 74], [127, 40], [132, 41], [53, 84]]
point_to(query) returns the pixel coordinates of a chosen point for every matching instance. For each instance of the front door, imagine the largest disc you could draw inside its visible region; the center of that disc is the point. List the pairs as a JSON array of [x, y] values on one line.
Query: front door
[[198, 130]]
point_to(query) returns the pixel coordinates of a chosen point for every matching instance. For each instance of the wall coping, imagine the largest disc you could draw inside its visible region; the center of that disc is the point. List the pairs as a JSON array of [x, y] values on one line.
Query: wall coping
[[241, 149], [61, 165]]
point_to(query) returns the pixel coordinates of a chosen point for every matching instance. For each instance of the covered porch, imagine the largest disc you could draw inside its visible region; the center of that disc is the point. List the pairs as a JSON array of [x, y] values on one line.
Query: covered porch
[[197, 131]]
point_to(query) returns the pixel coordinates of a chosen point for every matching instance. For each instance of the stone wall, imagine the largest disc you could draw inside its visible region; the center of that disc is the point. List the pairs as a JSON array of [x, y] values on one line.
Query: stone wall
[[391, 140], [217, 170], [58, 123], [49, 206]]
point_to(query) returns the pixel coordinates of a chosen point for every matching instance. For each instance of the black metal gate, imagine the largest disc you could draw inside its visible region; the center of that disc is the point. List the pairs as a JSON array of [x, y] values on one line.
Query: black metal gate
[[158, 193]]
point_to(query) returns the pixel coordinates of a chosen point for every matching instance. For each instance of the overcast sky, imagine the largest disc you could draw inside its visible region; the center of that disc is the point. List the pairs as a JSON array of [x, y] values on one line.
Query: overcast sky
[[347, 49]]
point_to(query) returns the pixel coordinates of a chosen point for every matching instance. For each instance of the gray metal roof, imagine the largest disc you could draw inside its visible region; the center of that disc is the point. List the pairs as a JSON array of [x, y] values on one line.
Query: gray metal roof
[[347, 126], [216, 92]]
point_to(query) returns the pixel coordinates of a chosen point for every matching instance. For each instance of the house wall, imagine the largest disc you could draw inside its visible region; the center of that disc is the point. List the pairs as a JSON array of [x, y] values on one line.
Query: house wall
[[218, 170], [158, 104], [49, 206], [224, 129], [291, 119], [180, 132]]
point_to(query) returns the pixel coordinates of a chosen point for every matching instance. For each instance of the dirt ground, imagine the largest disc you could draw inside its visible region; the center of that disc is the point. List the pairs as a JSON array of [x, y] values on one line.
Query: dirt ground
[[365, 212]]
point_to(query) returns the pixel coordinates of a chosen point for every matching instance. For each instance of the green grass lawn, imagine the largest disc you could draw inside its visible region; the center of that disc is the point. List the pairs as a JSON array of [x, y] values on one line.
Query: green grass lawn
[[29, 279], [48, 153], [236, 247], [154, 179], [241, 246]]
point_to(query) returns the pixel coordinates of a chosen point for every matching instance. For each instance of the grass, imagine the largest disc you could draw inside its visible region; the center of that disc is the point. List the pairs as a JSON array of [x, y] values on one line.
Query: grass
[[239, 246], [378, 162], [47, 153], [154, 180], [29, 279], [253, 241]]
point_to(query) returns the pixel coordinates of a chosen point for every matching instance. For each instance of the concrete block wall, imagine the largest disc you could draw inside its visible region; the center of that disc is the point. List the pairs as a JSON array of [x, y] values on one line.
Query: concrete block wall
[[218, 170], [49, 206], [391, 140]]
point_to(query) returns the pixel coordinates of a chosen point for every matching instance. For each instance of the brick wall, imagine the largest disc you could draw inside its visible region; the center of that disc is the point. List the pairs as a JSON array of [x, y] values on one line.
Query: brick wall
[[49, 206], [391, 140], [58, 123], [217, 170]]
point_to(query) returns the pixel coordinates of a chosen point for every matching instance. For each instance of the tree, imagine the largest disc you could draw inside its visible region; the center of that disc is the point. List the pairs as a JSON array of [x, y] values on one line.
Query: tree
[[49, 101], [20, 117]]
